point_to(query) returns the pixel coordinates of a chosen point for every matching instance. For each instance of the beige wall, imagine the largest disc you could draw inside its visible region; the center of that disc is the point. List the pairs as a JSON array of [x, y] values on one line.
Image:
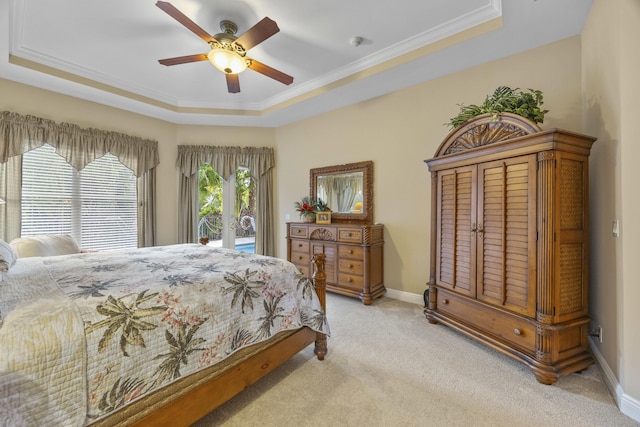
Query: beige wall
[[225, 136], [611, 110], [400, 130], [630, 112]]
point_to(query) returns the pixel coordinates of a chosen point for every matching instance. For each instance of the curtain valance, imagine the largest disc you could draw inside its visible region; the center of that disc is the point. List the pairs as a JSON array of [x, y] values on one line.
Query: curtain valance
[[79, 146], [225, 160]]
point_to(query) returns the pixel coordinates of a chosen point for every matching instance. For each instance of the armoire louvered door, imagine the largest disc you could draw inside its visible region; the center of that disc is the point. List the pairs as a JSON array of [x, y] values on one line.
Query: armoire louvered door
[[506, 234], [487, 232], [456, 269]]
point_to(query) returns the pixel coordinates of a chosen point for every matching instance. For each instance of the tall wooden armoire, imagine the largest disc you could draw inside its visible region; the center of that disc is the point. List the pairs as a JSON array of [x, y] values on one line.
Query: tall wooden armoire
[[510, 241]]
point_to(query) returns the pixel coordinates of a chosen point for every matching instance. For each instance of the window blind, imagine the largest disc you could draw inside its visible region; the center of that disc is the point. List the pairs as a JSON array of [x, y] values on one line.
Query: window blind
[[97, 206]]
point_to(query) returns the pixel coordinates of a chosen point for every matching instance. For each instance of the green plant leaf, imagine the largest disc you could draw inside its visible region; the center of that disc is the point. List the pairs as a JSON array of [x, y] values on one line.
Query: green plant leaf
[[504, 100]]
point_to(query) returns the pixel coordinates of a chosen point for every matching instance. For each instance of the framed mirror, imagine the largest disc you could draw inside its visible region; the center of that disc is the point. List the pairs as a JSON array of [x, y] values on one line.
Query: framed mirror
[[347, 190]]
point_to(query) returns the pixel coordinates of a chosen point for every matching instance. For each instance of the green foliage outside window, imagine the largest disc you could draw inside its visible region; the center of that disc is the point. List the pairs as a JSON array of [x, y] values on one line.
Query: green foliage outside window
[[210, 199], [210, 190]]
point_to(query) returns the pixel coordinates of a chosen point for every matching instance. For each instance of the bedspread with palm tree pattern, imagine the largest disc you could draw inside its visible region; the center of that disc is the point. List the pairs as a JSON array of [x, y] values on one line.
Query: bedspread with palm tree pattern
[[154, 315]]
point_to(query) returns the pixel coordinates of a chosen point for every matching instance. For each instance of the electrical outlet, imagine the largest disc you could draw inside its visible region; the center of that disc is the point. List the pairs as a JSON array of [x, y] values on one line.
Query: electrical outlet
[[600, 333]]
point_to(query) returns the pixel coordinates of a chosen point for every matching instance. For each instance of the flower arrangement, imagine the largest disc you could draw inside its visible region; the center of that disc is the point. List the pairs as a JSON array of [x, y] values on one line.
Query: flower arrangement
[[321, 206], [308, 206]]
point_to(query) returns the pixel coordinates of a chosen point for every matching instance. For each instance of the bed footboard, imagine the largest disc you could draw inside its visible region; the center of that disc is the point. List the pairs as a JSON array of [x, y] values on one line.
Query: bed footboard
[[190, 398]]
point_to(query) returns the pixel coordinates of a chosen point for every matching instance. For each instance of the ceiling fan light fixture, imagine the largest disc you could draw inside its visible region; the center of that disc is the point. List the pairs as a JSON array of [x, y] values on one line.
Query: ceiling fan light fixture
[[228, 52], [227, 61]]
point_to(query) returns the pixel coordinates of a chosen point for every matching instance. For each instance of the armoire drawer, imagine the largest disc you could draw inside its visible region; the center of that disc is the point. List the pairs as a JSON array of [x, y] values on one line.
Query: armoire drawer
[[514, 329]]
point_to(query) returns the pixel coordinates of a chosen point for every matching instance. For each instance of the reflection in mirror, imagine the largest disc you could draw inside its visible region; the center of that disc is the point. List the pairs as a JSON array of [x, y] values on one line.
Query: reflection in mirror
[[347, 190], [342, 192]]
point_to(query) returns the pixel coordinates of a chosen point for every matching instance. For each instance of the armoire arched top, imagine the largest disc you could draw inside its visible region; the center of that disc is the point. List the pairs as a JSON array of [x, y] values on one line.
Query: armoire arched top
[[486, 129]]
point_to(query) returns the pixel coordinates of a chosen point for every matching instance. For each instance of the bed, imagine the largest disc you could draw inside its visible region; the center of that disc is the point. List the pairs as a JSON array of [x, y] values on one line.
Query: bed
[[152, 336]]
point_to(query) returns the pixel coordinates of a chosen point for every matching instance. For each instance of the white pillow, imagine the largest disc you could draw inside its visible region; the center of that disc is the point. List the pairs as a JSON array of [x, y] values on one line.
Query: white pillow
[[7, 257], [45, 245]]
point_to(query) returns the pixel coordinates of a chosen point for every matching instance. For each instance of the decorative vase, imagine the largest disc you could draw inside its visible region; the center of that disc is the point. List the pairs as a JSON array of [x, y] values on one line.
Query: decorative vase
[[308, 218]]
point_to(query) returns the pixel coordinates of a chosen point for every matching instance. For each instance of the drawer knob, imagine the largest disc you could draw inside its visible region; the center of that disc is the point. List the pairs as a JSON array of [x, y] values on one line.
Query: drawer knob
[[350, 280], [349, 234], [349, 251], [517, 331], [445, 301], [349, 266]]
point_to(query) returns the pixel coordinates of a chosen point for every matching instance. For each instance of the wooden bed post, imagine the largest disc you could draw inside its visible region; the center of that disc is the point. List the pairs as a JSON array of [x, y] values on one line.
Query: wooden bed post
[[320, 284]]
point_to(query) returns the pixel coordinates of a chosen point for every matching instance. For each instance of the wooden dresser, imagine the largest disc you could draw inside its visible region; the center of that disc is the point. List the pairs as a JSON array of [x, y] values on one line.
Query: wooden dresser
[[509, 241], [354, 256]]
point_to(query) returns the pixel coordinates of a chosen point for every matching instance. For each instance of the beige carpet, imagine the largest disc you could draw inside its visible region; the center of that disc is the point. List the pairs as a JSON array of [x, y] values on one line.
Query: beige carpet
[[387, 366]]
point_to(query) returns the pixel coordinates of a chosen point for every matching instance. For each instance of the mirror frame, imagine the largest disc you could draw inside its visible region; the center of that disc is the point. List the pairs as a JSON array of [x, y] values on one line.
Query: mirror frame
[[367, 190]]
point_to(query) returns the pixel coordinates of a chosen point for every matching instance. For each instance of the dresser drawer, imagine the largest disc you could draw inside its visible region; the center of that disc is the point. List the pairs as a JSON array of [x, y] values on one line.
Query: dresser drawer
[[300, 258], [350, 266], [351, 252], [350, 235], [509, 327], [350, 281], [300, 246], [299, 231]]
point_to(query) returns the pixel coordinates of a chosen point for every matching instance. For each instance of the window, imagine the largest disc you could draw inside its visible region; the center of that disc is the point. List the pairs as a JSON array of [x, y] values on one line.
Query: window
[[227, 209], [97, 206]]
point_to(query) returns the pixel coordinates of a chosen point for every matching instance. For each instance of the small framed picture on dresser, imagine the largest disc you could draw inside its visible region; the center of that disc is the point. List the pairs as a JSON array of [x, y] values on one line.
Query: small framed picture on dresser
[[323, 217]]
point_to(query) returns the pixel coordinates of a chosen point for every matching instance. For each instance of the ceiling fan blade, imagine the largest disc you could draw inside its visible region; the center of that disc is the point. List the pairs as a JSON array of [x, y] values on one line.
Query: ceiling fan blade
[[271, 72], [233, 83], [184, 59], [258, 33], [184, 20]]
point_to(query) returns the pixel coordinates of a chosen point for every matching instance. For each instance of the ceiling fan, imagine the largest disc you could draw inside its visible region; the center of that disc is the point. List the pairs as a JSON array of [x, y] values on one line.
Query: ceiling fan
[[228, 51]]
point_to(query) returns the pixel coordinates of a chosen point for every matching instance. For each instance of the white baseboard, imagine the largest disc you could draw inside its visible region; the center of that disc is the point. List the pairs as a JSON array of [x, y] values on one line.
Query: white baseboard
[[628, 405], [405, 296]]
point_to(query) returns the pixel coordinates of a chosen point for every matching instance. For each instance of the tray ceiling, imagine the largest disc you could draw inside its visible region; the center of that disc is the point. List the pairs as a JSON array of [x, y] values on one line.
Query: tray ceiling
[[108, 51]]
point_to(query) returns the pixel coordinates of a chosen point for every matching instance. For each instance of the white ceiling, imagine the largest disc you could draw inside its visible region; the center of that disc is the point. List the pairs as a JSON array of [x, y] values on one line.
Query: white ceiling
[[107, 51]]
